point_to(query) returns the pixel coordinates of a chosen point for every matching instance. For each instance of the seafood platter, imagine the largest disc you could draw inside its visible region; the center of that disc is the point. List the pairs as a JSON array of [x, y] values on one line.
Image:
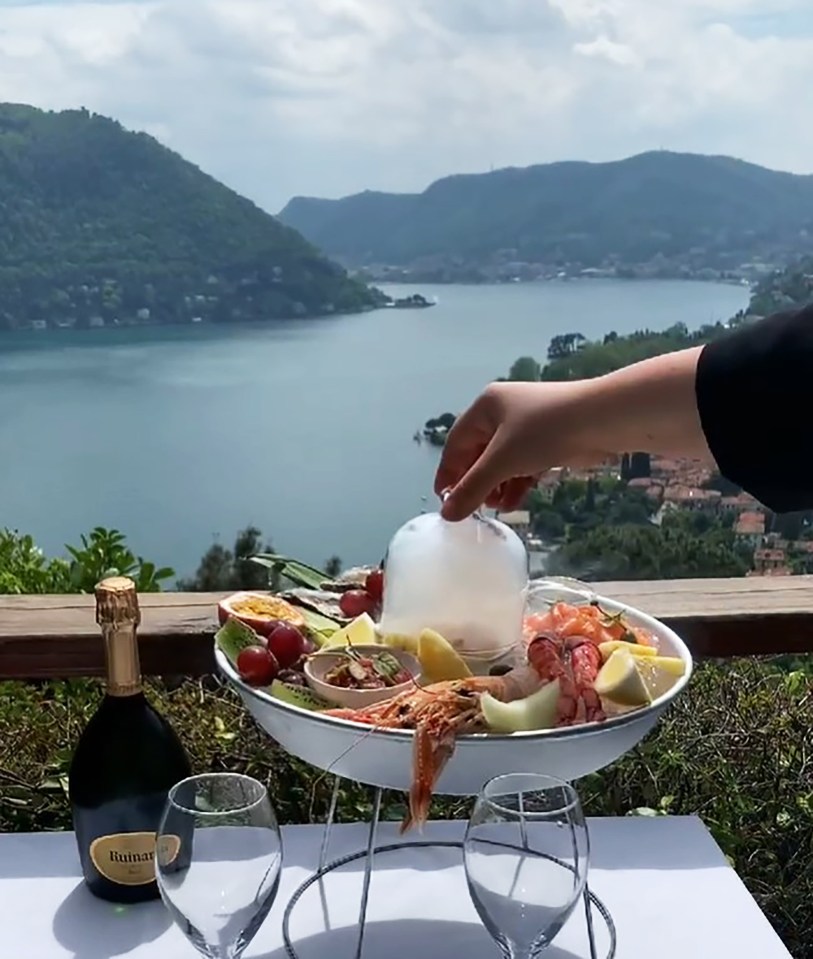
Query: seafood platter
[[447, 665]]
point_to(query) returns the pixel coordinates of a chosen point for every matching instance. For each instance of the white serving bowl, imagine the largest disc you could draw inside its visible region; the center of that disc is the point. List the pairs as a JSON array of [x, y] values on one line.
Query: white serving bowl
[[320, 662], [383, 758]]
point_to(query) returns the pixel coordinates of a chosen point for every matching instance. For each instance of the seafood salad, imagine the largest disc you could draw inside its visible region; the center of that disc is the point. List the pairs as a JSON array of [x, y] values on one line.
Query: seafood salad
[[580, 665], [576, 663]]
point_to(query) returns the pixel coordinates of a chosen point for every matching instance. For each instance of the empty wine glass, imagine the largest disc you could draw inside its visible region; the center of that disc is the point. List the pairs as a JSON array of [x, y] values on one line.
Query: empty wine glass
[[218, 860], [526, 852]]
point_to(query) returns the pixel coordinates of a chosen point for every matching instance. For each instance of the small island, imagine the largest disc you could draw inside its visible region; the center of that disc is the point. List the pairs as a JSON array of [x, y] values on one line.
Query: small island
[[413, 302], [436, 430]]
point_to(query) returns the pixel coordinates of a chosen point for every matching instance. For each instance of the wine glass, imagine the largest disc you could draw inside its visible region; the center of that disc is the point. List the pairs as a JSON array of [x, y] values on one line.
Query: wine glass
[[526, 852], [218, 860]]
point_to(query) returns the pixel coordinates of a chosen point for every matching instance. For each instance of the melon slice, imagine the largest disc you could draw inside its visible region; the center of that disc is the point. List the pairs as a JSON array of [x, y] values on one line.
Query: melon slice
[[439, 661], [537, 711]]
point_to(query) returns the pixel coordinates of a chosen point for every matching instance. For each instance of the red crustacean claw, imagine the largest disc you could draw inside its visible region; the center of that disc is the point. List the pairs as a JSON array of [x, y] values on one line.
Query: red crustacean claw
[[575, 661]]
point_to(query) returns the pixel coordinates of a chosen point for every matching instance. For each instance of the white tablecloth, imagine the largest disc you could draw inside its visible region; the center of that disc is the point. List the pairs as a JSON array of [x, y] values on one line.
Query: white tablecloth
[[668, 886]]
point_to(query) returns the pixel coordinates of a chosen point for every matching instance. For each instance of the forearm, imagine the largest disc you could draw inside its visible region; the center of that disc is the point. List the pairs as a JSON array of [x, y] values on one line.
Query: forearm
[[744, 401], [649, 406]]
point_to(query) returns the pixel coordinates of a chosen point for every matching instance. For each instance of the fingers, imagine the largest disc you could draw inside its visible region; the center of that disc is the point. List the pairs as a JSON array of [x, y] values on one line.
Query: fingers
[[510, 494], [484, 475], [465, 444], [515, 491], [453, 468]]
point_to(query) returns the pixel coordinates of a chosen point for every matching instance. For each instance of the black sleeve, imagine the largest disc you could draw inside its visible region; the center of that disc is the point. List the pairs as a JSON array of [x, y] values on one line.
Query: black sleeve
[[755, 398]]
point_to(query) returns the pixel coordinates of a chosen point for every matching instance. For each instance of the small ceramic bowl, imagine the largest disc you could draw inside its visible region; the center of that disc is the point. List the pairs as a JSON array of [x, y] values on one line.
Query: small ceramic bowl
[[317, 665]]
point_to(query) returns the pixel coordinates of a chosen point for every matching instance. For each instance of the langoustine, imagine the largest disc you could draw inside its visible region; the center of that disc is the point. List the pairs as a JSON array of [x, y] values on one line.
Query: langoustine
[[438, 714]]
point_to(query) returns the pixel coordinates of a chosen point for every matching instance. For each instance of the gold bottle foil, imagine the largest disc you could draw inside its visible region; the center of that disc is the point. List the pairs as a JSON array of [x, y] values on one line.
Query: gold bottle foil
[[118, 615]]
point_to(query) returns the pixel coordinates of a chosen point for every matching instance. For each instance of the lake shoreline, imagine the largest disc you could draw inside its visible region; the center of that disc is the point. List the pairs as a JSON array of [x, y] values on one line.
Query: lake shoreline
[[183, 435]]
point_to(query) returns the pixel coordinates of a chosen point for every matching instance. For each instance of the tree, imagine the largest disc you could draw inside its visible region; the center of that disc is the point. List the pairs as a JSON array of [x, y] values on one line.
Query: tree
[[625, 467], [645, 552], [564, 345], [222, 569], [525, 369], [590, 496], [25, 569], [639, 466], [444, 421], [722, 485]]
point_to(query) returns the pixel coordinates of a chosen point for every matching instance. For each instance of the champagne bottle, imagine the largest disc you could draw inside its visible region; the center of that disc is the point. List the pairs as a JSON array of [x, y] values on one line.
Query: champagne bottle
[[127, 759]]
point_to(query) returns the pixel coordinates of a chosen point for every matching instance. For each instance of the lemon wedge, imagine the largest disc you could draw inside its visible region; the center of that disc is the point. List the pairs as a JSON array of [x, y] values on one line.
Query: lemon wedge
[[537, 711], [608, 648], [409, 644], [361, 632], [620, 682], [660, 673], [673, 665], [439, 661]]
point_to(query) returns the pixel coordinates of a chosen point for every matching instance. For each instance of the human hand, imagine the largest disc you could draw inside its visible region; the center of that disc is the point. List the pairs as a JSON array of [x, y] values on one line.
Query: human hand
[[512, 434]]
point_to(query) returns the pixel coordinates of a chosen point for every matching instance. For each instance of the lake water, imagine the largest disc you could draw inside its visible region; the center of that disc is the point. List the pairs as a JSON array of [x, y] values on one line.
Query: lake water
[[303, 428]]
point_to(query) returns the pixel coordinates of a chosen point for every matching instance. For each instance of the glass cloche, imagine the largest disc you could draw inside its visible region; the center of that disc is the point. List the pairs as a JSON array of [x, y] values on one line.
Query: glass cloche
[[466, 580]]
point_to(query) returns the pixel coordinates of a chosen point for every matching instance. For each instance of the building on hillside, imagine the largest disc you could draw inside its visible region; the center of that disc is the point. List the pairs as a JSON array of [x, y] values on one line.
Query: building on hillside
[[687, 497], [742, 501], [768, 560], [664, 467], [750, 526], [519, 520], [640, 482], [549, 483], [652, 489]]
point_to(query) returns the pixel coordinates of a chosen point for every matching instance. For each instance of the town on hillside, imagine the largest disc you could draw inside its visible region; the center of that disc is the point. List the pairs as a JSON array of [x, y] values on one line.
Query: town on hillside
[[675, 487]]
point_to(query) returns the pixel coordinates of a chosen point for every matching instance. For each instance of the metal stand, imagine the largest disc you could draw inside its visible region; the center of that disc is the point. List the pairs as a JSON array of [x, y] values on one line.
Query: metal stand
[[591, 901]]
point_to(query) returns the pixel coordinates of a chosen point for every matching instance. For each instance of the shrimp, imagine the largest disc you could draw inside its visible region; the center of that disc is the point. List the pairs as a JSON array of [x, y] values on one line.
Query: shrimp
[[564, 621], [438, 713]]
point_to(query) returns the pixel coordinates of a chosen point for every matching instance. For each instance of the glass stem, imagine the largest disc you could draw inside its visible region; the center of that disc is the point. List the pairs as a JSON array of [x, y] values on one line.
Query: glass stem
[[223, 952], [517, 952]]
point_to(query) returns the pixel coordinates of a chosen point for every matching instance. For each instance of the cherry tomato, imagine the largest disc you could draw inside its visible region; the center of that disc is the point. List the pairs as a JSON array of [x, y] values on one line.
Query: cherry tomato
[[287, 644], [355, 602], [375, 584], [257, 665]]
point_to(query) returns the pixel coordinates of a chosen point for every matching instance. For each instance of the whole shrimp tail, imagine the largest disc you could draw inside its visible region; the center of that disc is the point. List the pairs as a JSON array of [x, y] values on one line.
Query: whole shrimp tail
[[430, 758]]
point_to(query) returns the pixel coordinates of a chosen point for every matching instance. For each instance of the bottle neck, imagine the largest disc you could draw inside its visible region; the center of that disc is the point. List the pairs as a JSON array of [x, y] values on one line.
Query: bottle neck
[[123, 667]]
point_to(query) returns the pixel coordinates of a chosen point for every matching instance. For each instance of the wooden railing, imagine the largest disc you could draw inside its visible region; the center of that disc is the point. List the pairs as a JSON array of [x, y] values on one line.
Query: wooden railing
[[50, 637]]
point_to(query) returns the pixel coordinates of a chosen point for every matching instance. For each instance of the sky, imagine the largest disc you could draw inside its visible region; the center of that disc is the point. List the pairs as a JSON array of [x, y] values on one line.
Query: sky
[[278, 98]]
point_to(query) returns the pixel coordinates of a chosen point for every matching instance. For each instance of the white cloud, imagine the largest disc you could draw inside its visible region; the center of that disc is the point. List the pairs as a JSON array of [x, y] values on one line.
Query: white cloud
[[331, 96]]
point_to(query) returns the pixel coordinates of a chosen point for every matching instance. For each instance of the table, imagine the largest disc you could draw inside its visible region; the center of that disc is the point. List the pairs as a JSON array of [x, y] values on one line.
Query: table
[[669, 887]]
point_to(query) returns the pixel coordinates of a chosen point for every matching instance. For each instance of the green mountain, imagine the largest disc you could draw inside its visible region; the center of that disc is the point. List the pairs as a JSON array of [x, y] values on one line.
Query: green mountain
[[717, 208], [100, 225]]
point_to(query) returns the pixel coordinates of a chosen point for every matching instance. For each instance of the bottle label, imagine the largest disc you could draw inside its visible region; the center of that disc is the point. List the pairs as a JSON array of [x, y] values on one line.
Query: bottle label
[[128, 858]]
